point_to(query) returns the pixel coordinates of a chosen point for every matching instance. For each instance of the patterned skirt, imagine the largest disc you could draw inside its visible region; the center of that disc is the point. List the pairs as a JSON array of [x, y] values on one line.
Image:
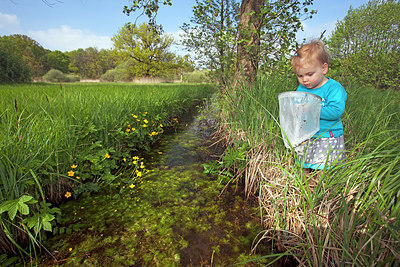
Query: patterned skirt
[[320, 151]]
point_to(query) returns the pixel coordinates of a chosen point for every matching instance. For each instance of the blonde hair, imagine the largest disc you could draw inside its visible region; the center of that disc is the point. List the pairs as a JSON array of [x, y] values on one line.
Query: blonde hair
[[315, 50]]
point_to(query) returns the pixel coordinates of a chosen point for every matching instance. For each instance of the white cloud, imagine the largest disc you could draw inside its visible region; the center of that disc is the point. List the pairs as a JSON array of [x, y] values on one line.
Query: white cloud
[[66, 38], [314, 30], [9, 24]]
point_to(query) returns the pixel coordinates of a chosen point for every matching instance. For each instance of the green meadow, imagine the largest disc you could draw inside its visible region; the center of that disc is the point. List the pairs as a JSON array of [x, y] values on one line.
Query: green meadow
[[59, 141]]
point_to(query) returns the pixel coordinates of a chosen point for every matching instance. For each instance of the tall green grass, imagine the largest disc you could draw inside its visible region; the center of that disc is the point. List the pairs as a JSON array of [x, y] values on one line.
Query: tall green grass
[[46, 128], [347, 215]]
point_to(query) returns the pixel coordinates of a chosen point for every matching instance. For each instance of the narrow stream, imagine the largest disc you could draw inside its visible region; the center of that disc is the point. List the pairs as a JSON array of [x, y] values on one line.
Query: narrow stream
[[177, 217]]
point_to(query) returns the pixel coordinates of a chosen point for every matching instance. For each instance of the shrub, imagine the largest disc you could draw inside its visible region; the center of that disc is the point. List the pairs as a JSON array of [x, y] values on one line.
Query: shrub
[[54, 75], [122, 73]]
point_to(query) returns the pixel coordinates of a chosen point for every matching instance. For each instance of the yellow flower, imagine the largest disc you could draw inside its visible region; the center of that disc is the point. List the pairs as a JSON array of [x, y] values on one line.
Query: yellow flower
[[107, 156], [159, 152], [115, 210], [133, 129], [128, 130], [77, 177], [161, 125], [71, 173], [145, 121], [134, 116], [132, 186], [74, 166], [142, 166], [70, 249], [137, 120], [68, 194], [135, 157], [138, 173], [144, 125], [124, 159]]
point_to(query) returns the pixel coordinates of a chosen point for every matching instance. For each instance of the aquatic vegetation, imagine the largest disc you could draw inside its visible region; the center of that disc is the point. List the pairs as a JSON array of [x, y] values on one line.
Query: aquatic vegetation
[[153, 230], [175, 217]]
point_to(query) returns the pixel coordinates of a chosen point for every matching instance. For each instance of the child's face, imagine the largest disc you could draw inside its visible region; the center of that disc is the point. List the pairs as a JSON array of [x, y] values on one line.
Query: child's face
[[311, 74]]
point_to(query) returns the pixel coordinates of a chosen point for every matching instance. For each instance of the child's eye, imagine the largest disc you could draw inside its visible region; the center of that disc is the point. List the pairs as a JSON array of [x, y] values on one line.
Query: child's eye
[[310, 74]]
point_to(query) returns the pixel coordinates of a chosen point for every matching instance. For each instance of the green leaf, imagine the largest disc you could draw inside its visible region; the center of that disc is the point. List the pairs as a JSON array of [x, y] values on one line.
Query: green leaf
[[12, 211], [47, 226], [13, 206], [32, 221], [23, 208], [39, 221], [6, 205], [25, 198]]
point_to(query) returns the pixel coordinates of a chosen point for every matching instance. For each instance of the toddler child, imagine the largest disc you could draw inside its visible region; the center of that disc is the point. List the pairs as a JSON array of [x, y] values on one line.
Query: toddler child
[[311, 65]]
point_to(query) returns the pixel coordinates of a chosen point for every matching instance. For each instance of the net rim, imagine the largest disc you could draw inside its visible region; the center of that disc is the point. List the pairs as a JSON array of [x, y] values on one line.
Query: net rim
[[298, 94]]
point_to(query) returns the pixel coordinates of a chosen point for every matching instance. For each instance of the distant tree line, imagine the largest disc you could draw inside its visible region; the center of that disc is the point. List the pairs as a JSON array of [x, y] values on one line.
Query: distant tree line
[[23, 59], [229, 38]]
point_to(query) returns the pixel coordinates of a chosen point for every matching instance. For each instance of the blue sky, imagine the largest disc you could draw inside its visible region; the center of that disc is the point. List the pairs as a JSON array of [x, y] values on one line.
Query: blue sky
[[67, 25]]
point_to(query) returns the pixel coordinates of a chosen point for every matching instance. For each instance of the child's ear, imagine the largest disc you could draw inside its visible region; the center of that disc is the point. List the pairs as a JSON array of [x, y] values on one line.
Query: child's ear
[[325, 68]]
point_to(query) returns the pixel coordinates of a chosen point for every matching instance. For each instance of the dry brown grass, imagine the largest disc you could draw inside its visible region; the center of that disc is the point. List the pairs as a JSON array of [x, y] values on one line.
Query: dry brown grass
[[302, 214]]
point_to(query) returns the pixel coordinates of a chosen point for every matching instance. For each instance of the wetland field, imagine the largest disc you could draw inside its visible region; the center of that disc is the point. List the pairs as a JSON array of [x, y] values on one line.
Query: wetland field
[[171, 175]]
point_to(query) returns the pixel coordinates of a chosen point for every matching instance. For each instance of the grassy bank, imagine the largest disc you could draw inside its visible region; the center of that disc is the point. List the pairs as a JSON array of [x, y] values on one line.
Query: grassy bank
[[348, 215], [60, 141]]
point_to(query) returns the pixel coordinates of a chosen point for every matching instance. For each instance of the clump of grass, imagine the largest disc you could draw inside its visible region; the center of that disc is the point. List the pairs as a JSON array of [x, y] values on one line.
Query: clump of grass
[[334, 217]]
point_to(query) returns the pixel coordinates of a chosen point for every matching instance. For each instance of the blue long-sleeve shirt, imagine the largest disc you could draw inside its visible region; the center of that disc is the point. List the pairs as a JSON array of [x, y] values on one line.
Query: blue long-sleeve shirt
[[333, 101]]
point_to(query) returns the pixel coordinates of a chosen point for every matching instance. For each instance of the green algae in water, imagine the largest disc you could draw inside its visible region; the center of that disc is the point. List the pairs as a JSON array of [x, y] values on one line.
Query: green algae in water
[[177, 217]]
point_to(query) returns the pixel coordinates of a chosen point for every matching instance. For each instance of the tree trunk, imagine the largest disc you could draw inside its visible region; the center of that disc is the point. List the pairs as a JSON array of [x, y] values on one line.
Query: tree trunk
[[249, 41]]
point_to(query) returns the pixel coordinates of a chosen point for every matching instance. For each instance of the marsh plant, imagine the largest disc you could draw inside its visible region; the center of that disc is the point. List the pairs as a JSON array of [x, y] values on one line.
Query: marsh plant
[[59, 141], [345, 215]]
